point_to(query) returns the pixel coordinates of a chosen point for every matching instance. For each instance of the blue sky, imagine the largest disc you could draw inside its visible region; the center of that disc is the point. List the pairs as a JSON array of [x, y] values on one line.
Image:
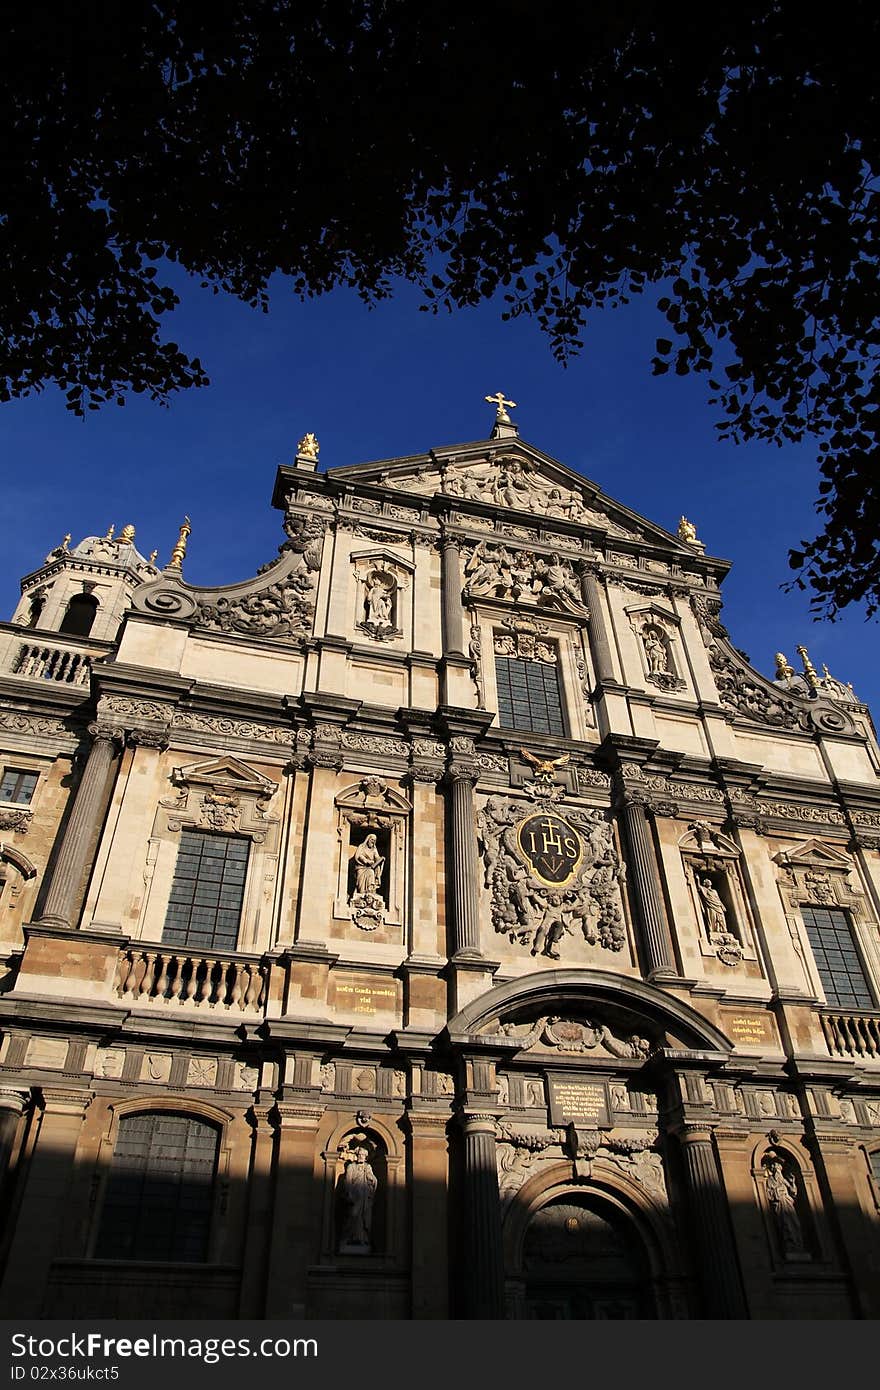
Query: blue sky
[[377, 383]]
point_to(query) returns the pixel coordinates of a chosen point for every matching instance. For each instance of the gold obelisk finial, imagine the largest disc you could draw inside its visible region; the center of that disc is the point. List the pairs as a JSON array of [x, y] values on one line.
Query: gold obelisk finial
[[179, 550], [809, 669]]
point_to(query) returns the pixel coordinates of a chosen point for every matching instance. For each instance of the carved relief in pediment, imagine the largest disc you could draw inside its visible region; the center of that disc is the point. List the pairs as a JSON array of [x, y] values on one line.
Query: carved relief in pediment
[[523, 577]]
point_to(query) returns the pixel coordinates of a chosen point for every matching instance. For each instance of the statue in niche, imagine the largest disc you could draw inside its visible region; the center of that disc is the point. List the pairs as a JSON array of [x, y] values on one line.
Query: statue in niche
[[369, 864], [656, 652], [379, 599], [782, 1197], [367, 901], [358, 1187], [713, 907]]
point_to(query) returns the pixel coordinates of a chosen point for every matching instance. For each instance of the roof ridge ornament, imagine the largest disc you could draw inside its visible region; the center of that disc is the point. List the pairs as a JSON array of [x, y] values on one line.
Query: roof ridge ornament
[[179, 551], [504, 428]]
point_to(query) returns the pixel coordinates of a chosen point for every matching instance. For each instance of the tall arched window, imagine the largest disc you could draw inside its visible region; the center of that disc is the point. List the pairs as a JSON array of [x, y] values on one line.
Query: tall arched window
[[160, 1190], [80, 615]]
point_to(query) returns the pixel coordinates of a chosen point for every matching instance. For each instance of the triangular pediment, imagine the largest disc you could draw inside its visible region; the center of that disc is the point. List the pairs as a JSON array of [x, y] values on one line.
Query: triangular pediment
[[813, 854], [226, 772], [514, 475]]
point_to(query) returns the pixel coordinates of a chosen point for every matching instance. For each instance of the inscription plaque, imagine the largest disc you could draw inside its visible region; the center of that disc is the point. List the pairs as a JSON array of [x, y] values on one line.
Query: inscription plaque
[[750, 1030], [365, 996], [582, 1103]]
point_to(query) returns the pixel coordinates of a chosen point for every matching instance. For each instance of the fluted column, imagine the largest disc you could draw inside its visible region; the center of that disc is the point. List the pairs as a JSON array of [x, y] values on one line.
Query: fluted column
[[12, 1104], [710, 1223], [645, 879], [453, 632], [62, 899], [482, 1275], [600, 640], [464, 867]]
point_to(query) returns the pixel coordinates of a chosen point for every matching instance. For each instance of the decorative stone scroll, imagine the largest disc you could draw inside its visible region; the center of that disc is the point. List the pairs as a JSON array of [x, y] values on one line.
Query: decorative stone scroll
[[536, 902], [573, 1036], [284, 608]]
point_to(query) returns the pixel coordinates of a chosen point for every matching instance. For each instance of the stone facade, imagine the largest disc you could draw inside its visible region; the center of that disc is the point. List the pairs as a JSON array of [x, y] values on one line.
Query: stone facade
[[516, 1023]]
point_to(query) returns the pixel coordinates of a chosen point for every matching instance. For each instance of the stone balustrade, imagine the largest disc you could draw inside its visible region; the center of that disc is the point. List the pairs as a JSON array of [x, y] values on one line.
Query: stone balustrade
[[36, 661], [162, 975], [852, 1034]]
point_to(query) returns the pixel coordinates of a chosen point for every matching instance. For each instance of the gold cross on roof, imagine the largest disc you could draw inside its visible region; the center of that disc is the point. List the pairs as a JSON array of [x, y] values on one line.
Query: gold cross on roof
[[499, 402]]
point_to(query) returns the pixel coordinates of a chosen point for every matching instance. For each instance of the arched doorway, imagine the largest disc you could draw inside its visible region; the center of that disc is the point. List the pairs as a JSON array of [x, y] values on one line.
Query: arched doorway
[[583, 1258]]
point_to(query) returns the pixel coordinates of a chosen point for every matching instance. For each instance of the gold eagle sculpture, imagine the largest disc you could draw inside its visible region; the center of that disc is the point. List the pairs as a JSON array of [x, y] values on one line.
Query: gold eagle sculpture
[[544, 767]]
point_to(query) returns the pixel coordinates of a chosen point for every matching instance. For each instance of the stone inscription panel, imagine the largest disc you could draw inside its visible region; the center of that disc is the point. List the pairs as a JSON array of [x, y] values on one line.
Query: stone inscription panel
[[583, 1103], [364, 995], [750, 1030]]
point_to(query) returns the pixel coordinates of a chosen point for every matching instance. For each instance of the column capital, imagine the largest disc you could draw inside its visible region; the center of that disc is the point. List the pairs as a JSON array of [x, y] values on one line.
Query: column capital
[[478, 1123], [14, 1100], [101, 730]]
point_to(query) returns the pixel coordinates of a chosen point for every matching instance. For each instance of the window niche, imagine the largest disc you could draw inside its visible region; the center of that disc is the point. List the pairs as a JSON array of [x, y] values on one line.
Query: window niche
[[711, 866], [527, 677], [821, 904], [382, 581], [80, 614], [224, 797], [656, 632], [371, 831]]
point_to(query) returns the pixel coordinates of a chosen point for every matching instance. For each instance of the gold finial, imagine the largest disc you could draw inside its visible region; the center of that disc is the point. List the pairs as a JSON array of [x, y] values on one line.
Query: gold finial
[[308, 447], [179, 550], [109, 535], [809, 668], [687, 531], [152, 559], [784, 672], [126, 535], [499, 402]]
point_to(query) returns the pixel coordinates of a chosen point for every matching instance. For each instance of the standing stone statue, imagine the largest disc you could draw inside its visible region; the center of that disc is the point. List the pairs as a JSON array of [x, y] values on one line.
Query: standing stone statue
[[369, 864], [782, 1196], [716, 912], [359, 1184], [655, 652]]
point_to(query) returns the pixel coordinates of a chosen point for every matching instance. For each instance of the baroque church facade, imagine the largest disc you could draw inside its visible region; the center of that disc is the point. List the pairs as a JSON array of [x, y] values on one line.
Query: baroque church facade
[[446, 922]]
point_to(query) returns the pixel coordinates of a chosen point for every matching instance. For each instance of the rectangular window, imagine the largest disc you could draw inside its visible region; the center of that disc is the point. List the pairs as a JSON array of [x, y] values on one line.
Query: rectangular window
[[160, 1190], [204, 909], [18, 786], [837, 957], [528, 695]]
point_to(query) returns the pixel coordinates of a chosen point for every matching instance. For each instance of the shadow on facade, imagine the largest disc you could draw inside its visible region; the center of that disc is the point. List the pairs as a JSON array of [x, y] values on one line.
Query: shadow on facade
[[383, 1217]]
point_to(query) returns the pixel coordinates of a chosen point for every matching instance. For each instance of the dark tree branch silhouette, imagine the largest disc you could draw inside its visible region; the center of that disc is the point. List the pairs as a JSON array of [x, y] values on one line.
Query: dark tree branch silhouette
[[567, 157]]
